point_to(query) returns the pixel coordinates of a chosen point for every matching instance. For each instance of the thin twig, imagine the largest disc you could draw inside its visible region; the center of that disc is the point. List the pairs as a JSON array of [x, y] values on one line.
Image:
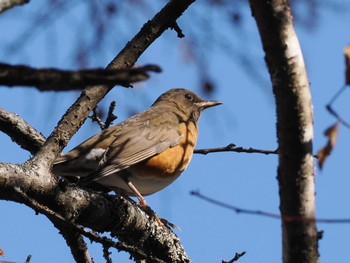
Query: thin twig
[[110, 116], [232, 148], [28, 259], [106, 254], [109, 119], [178, 30], [235, 258], [332, 111], [96, 118], [337, 116], [289, 218]]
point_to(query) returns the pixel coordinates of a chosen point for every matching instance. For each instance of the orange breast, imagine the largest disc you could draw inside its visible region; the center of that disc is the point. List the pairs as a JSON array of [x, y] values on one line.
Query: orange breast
[[173, 161]]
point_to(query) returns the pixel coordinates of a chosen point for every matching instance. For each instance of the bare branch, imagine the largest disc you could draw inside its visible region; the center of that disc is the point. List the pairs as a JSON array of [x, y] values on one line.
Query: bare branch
[[29, 257], [20, 131], [142, 235], [96, 118], [333, 112], [75, 241], [106, 254], [65, 80], [95, 210], [78, 112], [235, 258], [110, 115], [7, 4], [287, 218], [178, 30], [232, 148], [109, 119]]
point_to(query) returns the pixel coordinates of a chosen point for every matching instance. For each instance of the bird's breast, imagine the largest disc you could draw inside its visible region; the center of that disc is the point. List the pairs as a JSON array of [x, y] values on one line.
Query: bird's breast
[[173, 161]]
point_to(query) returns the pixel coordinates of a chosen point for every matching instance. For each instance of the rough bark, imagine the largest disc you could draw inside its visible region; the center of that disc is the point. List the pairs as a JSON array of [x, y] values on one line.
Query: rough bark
[[294, 129], [50, 79], [8, 4]]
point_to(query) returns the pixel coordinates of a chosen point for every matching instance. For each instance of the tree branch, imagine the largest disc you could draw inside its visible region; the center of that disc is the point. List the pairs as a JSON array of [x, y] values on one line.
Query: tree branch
[[109, 119], [288, 218], [20, 131], [232, 148], [75, 242], [142, 235], [235, 258], [67, 229], [65, 80], [8, 4]]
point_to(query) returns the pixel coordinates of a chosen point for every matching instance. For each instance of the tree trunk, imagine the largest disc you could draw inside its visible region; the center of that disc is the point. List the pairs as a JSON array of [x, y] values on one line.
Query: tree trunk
[[294, 129]]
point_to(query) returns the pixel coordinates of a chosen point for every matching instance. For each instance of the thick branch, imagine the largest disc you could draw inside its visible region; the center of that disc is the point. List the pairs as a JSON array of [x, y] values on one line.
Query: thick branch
[[64, 80], [141, 233], [294, 128]]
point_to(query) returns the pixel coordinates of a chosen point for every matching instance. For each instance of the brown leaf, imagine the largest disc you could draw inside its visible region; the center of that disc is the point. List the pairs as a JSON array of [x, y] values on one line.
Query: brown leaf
[[347, 64], [2, 253], [332, 134]]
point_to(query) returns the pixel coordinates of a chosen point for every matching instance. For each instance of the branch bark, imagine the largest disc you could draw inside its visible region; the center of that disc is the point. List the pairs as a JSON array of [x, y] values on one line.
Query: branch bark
[[8, 4], [142, 235], [294, 128], [20, 131], [65, 80]]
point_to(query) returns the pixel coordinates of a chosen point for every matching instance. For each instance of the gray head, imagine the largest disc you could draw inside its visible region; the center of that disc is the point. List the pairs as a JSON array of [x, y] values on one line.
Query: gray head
[[184, 102]]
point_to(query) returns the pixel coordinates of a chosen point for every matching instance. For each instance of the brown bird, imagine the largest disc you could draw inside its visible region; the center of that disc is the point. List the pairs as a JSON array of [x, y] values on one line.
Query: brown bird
[[143, 154]]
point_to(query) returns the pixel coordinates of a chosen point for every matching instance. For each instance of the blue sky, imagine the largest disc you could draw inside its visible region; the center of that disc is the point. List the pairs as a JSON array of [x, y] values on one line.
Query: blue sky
[[247, 118]]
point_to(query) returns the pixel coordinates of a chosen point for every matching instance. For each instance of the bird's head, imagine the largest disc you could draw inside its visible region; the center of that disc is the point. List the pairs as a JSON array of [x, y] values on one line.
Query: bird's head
[[184, 102]]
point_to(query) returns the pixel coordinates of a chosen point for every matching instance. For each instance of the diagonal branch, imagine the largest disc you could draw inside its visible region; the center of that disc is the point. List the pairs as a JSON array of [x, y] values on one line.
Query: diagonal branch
[[78, 112]]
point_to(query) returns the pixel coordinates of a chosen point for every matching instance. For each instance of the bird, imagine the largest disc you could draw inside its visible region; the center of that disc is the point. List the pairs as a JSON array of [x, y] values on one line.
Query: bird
[[143, 154]]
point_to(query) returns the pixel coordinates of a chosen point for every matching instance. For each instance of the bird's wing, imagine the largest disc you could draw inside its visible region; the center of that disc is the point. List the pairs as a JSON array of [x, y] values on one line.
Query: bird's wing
[[138, 139], [86, 156]]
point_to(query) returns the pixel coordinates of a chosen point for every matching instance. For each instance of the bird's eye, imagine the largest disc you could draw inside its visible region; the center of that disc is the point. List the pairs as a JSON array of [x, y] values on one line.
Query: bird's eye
[[189, 97]]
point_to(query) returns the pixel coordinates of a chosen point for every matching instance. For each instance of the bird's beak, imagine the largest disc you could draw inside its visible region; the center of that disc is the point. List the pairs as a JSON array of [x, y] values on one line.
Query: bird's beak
[[208, 103]]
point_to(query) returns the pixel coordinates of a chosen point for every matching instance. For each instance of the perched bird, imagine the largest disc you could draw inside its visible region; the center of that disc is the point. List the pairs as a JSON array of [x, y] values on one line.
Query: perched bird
[[143, 154]]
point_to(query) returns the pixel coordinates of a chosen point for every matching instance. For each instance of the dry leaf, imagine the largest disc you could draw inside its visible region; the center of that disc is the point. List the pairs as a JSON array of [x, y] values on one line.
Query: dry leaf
[[347, 64], [332, 134]]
